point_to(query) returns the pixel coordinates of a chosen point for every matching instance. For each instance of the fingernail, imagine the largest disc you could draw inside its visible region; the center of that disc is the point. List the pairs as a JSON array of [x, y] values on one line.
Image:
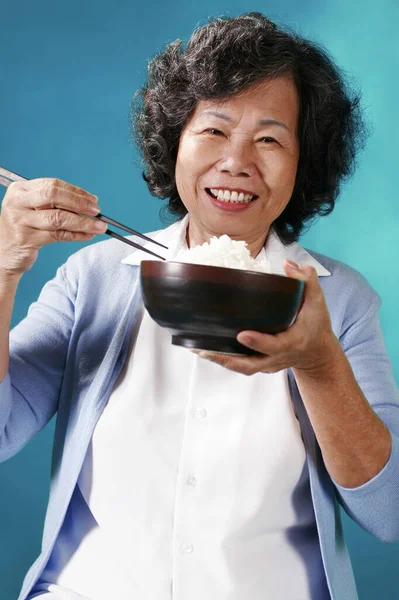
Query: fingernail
[[244, 338], [100, 226], [292, 264], [93, 209]]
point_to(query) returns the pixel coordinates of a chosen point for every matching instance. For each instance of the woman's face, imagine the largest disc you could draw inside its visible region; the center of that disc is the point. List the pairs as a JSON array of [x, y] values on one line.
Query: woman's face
[[244, 146]]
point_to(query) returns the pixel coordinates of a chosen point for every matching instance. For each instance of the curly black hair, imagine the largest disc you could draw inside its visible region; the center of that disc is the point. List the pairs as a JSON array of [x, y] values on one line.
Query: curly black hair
[[225, 57]]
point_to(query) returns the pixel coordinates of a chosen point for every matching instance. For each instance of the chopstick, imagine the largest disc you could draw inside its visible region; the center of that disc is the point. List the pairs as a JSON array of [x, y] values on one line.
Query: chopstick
[[123, 239], [7, 177]]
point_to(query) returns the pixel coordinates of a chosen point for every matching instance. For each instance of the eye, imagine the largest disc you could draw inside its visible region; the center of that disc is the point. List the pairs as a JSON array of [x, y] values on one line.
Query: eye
[[214, 131], [268, 140]]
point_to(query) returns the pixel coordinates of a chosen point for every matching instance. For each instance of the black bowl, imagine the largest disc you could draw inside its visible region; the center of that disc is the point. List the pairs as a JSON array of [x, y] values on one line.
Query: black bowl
[[206, 307]]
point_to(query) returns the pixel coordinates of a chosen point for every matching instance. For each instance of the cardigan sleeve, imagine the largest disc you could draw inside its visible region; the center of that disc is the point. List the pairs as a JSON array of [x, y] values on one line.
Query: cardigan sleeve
[[38, 348], [374, 504]]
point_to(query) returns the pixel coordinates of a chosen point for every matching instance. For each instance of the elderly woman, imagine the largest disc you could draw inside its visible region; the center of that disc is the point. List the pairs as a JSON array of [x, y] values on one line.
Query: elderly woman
[[206, 476]]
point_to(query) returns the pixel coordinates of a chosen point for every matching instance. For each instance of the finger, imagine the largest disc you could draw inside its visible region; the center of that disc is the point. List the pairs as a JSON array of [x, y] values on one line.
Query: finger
[[294, 270], [54, 183], [235, 362], [245, 365], [226, 361], [67, 236], [56, 220], [39, 238], [264, 343], [54, 193], [302, 272], [312, 294]]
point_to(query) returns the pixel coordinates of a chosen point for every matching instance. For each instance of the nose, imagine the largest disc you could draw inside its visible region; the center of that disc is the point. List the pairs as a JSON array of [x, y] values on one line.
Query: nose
[[237, 158]]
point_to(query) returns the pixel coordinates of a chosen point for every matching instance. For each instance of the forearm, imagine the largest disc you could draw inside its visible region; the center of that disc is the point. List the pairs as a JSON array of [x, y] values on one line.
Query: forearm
[[354, 442], [8, 288]]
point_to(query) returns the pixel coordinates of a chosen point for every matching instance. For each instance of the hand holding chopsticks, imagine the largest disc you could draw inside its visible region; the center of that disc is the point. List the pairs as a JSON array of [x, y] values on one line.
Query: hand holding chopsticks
[[40, 211]]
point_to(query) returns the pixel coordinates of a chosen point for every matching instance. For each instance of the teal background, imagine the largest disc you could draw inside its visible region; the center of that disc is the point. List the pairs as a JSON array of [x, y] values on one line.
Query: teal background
[[68, 72]]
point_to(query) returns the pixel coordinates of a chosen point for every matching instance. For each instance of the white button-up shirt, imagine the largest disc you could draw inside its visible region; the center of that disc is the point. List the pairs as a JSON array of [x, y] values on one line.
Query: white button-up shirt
[[195, 484]]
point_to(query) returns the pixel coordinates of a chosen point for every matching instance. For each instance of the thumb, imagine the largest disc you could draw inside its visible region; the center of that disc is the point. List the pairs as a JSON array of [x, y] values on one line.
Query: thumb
[[302, 272]]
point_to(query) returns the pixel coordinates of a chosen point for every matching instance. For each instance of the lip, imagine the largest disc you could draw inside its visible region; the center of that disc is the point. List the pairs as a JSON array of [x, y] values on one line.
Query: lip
[[229, 206]]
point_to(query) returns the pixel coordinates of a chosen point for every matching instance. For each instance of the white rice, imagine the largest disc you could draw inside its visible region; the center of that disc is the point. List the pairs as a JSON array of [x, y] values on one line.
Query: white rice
[[224, 252]]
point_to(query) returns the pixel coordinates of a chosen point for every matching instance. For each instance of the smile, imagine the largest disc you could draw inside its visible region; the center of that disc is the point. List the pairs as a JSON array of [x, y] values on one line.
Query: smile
[[230, 195]]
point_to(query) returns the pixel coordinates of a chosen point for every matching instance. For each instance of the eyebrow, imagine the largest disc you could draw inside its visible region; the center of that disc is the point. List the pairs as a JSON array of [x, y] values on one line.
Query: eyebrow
[[227, 118]]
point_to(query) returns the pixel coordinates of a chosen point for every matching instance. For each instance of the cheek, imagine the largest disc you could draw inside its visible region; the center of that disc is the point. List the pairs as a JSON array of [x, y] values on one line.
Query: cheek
[[185, 163], [185, 177], [181, 179], [282, 173], [194, 159]]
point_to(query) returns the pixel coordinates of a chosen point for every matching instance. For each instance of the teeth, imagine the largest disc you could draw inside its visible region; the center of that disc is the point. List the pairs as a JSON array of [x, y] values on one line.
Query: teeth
[[227, 196]]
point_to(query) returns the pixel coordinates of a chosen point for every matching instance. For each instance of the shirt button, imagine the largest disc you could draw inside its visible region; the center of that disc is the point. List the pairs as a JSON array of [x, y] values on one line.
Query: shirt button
[[191, 481], [188, 548], [200, 413]]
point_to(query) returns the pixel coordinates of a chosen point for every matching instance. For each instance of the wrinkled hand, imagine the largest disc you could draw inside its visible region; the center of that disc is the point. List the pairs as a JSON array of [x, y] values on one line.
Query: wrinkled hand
[[308, 345], [38, 212]]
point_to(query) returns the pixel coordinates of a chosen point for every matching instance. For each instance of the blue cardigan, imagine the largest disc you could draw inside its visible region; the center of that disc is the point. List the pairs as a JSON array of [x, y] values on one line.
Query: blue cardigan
[[66, 355]]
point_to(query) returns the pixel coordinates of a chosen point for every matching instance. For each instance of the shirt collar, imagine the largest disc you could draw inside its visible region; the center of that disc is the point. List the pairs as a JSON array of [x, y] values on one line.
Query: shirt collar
[[274, 250]]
